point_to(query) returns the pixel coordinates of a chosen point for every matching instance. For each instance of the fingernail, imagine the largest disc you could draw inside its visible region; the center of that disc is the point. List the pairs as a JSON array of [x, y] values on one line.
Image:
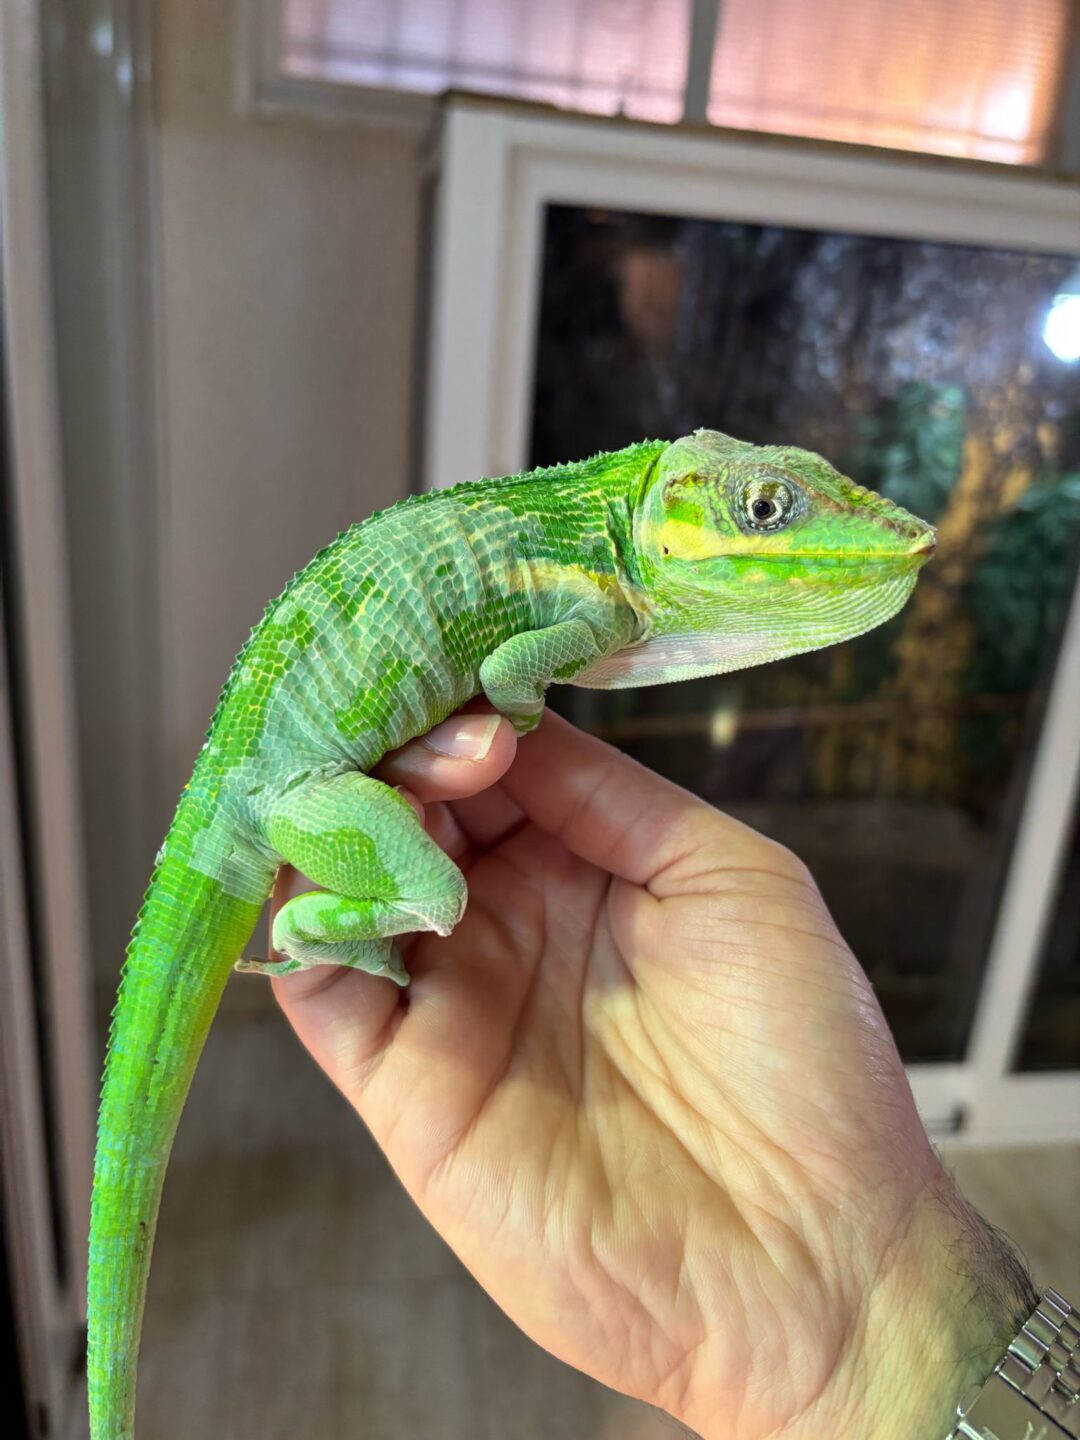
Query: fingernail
[[465, 737]]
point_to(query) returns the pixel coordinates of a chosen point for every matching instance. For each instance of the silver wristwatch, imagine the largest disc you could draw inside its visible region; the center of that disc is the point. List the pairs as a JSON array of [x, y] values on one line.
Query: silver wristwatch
[[1034, 1394]]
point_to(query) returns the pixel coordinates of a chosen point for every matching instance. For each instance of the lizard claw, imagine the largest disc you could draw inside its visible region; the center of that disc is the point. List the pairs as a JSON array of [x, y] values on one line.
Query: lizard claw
[[255, 966]]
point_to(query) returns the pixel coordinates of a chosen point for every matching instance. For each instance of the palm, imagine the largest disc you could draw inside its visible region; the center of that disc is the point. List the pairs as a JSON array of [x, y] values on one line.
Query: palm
[[658, 1084]]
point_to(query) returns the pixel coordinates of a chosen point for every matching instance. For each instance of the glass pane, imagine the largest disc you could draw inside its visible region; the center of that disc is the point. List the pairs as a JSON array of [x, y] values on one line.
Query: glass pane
[[957, 77], [1052, 1033], [894, 765], [611, 57]]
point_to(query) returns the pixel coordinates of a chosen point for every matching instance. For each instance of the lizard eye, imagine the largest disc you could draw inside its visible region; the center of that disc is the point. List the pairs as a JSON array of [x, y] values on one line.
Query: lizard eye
[[767, 505]]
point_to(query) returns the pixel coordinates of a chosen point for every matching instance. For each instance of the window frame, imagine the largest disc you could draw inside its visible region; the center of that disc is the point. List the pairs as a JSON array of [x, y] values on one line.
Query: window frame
[[47, 1144], [263, 89], [498, 166]]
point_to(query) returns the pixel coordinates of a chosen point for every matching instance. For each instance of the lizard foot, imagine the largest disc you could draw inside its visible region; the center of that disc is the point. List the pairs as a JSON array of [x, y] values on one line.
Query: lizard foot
[[377, 957]]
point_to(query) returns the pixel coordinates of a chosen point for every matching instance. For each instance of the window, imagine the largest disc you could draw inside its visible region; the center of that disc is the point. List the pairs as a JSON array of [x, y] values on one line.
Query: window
[[977, 78], [956, 77], [607, 57], [897, 757]]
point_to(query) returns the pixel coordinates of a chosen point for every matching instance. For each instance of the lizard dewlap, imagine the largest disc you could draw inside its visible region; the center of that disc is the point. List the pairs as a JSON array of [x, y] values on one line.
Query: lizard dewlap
[[654, 563]]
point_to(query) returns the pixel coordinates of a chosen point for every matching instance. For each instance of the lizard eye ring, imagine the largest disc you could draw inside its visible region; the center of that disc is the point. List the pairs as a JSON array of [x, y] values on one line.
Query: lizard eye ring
[[767, 505]]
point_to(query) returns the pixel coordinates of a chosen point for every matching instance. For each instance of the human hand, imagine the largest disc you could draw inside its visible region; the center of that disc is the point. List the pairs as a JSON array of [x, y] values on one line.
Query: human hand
[[647, 1094]]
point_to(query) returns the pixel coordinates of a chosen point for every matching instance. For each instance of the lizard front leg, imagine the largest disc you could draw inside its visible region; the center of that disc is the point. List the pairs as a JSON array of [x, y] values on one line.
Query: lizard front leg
[[383, 875], [516, 675]]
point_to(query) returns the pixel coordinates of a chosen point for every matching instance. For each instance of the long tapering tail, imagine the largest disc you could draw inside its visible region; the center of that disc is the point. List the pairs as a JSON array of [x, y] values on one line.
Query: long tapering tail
[[188, 935]]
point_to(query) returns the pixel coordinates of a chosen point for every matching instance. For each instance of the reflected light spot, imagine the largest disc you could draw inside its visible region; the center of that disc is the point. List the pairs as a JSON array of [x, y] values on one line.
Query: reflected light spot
[[1061, 329], [124, 76], [723, 727], [101, 39], [1008, 113]]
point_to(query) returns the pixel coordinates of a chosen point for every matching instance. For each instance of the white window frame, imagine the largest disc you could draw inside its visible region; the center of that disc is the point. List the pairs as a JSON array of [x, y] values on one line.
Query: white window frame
[[498, 167]]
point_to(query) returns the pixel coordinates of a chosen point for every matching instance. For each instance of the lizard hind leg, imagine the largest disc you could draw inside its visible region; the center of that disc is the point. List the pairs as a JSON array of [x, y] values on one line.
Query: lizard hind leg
[[322, 928], [383, 874]]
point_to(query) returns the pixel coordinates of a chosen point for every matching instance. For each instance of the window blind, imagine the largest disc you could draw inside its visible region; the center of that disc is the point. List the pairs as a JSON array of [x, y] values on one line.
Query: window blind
[[978, 78], [957, 77], [604, 56]]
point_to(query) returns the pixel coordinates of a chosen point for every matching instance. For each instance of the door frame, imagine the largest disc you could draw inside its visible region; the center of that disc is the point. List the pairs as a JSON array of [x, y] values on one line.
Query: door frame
[[48, 1143]]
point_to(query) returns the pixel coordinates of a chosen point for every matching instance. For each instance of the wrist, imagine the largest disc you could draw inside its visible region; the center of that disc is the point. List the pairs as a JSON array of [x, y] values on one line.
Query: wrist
[[935, 1323]]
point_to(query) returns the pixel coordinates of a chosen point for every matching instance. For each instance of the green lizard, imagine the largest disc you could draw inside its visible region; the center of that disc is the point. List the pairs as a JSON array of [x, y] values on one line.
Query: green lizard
[[655, 563]]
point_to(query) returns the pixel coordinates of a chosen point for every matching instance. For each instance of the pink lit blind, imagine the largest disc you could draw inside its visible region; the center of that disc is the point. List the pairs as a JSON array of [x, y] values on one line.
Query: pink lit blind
[[958, 77], [609, 57]]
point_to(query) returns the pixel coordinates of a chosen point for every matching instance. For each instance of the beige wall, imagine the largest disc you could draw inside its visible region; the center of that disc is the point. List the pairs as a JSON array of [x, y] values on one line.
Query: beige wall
[[289, 258]]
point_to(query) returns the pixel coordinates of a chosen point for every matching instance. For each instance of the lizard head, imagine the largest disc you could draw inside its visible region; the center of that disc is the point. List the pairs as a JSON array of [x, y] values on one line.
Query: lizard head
[[769, 550]]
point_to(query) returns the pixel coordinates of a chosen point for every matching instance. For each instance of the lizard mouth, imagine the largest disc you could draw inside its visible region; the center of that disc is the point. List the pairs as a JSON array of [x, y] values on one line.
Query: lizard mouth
[[837, 558]]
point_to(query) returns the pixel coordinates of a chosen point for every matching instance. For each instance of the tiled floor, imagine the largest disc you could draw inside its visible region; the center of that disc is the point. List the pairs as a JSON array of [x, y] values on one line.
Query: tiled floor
[[297, 1295]]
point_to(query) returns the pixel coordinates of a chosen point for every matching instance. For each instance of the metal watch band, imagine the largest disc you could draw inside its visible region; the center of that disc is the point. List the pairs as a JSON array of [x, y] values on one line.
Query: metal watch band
[[1034, 1394]]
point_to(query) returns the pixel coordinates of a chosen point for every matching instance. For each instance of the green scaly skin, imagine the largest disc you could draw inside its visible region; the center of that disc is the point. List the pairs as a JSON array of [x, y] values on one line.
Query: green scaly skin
[[655, 563]]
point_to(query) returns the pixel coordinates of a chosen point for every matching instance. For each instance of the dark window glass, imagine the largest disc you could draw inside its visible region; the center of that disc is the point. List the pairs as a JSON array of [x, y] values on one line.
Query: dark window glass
[[1052, 1032], [10, 1359], [894, 765]]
